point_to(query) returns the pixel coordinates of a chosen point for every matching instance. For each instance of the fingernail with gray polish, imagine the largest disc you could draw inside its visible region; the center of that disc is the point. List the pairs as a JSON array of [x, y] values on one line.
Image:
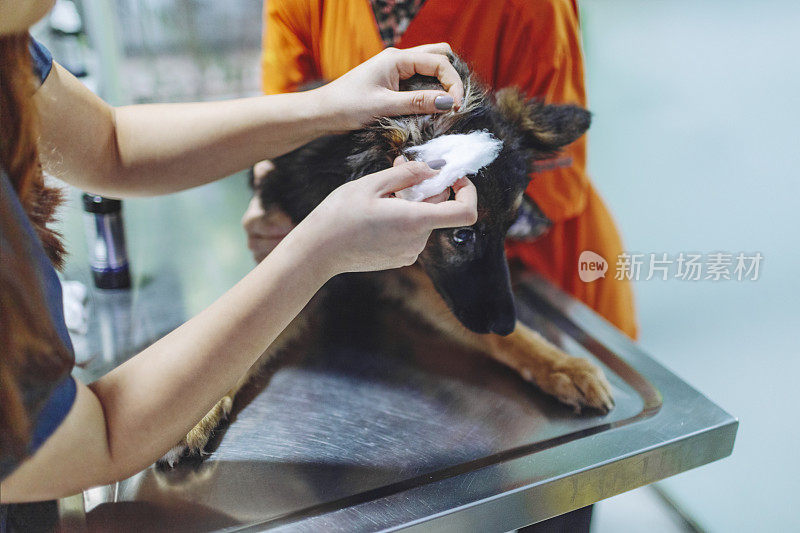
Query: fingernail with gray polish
[[436, 164], [443, 103]]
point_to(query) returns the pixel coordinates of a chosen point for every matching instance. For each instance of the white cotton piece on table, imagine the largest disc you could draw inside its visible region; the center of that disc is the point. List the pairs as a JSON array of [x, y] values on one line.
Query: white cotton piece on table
[[465, 155], [76, 315]]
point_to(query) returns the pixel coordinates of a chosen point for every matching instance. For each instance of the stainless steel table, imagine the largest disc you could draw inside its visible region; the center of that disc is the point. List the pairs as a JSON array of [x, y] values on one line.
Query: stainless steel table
[[414, 435]]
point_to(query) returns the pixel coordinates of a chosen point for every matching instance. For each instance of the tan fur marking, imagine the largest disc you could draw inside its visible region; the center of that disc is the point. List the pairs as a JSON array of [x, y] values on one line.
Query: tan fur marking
[[517, 203], [408, 131], [572, 380], [513, 105]]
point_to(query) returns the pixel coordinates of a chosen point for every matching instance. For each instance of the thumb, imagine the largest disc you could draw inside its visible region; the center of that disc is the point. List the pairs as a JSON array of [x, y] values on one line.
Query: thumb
[[422, 102], [399, 177]]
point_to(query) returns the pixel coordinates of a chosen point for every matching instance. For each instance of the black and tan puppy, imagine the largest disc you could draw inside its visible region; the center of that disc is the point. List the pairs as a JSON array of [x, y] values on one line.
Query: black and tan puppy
[[460, 284]]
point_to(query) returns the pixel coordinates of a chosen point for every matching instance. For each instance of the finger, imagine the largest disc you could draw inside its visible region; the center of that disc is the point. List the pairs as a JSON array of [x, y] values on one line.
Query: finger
[[253, 214], [439, 198], [462, 211], [269, 233], [466, 192], [398, 178], [433, 48], [431, 64], [420, 102], [260, 171], [260, 248], [399, 160], [277, 219], [460, 183], [443, 49], [262, 245]]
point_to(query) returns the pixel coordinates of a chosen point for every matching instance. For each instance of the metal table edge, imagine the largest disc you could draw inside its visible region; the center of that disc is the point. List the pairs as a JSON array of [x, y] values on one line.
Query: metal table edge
[[689, 446], [482, 515]]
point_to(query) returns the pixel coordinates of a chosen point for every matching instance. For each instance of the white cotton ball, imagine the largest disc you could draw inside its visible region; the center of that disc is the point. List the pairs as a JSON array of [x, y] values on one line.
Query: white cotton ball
[[76, 316], [465, 154]]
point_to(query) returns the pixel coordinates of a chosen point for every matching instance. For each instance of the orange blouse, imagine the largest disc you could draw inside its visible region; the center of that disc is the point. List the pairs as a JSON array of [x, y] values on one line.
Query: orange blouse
[[530, 44]]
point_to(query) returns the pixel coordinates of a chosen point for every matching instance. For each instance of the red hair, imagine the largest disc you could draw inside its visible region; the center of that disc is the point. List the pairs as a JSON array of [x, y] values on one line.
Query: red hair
[[33, 354]]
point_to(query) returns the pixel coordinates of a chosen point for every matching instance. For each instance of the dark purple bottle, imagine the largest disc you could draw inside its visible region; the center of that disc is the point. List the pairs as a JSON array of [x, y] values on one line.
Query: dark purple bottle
[[105, 235]]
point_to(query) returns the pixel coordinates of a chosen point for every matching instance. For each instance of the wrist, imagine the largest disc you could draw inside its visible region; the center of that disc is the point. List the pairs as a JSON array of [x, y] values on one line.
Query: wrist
[[306, 243], [327, 115]]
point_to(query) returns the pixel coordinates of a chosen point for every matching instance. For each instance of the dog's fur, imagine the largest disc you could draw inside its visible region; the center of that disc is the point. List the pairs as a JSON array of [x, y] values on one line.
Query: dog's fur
[[460, 284]]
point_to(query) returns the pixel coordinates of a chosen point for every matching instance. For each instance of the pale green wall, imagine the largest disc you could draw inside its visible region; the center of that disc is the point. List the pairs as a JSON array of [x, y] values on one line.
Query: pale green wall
[[695, 146]]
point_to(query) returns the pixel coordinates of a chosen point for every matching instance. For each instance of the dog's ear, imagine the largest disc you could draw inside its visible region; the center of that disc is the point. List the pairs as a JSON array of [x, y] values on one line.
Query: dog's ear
[[545, 128]]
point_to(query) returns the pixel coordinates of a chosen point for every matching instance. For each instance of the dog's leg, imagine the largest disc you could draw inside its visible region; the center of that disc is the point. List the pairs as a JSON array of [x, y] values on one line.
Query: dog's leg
[[194, 443], [572, 380]]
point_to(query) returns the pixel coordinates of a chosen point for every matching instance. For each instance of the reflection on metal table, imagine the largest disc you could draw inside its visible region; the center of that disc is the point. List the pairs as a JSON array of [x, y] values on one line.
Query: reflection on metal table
[[422, 436]]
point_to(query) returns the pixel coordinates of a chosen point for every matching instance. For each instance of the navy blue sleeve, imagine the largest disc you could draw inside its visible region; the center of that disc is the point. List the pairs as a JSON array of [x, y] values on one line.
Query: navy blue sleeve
[[42, 59], [53, 412]]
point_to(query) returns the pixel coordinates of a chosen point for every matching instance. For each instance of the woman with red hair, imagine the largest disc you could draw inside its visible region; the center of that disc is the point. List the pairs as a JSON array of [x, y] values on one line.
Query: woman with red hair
[[59, 436]]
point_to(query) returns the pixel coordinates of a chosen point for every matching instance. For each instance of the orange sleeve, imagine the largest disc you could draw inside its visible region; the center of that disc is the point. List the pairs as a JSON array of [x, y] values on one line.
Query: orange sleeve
[[543, 58], [287, 56]]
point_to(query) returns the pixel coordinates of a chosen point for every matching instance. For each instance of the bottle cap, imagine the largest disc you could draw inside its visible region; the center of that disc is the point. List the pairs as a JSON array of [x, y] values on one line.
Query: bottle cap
[[93, 203]]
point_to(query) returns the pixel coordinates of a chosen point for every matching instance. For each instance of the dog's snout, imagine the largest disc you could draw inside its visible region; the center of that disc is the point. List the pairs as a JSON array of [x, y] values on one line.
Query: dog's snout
[[478, 292], [503, 324]]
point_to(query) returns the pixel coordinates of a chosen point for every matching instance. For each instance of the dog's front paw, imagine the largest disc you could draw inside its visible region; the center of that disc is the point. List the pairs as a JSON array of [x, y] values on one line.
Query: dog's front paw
[[578, 383], [173, 456], [192, 446]]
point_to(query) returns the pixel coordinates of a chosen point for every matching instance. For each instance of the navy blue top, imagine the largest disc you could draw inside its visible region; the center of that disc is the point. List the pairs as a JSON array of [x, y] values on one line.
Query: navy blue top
[[42, 59], [49, 406], [60, 396]]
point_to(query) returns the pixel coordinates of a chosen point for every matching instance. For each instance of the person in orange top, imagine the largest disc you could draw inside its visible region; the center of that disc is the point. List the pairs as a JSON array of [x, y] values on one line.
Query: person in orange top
[[530, 44]]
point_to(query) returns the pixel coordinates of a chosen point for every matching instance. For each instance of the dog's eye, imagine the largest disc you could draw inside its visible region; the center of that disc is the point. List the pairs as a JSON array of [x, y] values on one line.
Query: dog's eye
[[463, 235]]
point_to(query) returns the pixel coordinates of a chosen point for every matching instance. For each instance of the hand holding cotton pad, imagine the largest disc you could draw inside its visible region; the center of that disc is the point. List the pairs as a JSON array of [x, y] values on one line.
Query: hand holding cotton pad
[[465, 155]]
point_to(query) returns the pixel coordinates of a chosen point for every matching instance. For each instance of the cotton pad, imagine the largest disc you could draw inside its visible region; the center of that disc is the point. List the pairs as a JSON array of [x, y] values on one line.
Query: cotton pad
[[465, 154]]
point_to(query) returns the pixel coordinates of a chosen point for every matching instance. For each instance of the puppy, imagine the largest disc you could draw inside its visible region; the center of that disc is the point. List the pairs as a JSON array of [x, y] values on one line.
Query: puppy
[[460, 285]]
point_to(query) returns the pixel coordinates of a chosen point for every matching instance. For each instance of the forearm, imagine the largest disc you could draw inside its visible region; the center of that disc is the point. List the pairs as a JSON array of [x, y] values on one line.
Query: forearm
[[134, 414], [127, 419], [161, 148], [168, 147], [154, 149], [189, 370]]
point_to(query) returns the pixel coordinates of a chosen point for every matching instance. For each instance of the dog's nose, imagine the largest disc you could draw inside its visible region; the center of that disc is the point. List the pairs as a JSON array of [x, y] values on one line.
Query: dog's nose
[[504, 325]]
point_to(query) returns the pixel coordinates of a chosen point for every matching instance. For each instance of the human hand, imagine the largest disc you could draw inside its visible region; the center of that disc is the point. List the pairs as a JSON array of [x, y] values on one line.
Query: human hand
[[371, 89], [361, 226], [436, 165], [265, 227]]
